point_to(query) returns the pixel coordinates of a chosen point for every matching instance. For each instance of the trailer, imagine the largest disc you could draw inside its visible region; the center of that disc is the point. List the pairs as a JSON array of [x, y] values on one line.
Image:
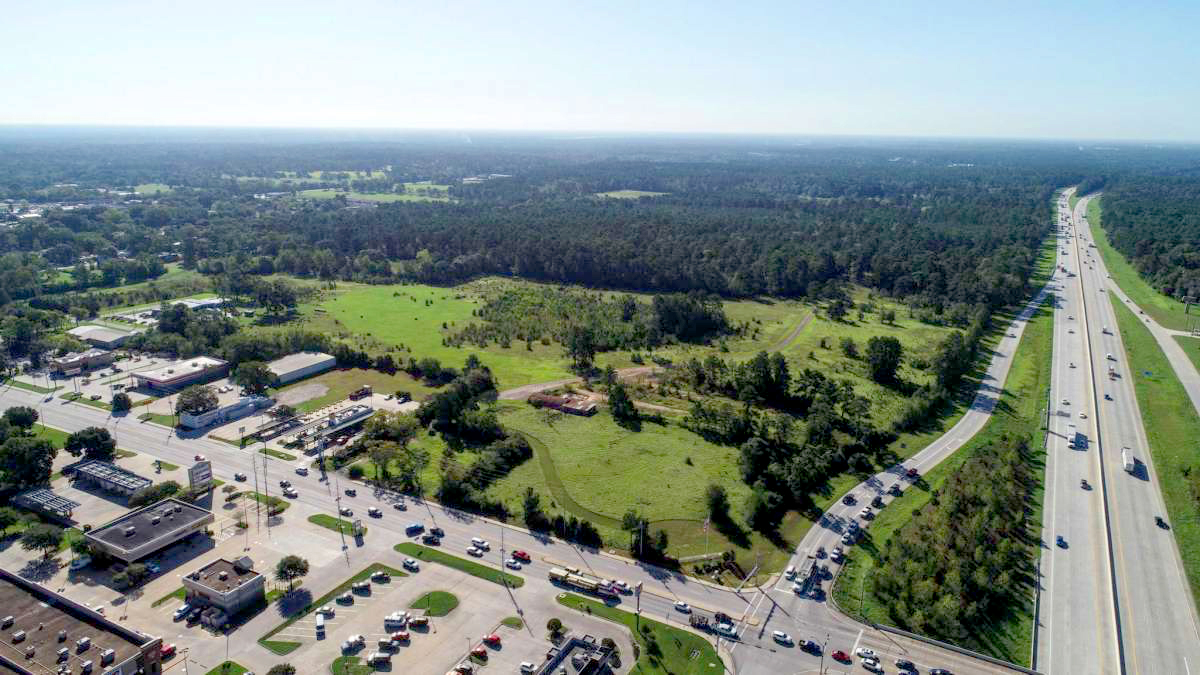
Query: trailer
[[1128, 460], [581, 581], [1072, 434]]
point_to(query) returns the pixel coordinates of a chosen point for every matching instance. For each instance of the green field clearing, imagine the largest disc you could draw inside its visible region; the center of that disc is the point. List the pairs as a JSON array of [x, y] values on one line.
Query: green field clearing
[[431, 475], [674, 650], [350, 665], [1172, 427], [629, 194], [436, 603], [152, 188], [426, 194], [426, 554], [1167, 311], [270, 501], [339, 383], [513, 622], [1020, 411], [284, 647]]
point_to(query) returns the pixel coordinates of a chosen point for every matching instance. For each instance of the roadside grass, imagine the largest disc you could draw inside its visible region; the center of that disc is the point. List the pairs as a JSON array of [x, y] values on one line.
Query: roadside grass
[[1020, 411], [80, 398], [270, 501], [278, 454], [158, 418], [14, 382], [125, 454], [177, 594], [1191, 347], [630, 194], [341, 382], [662, 648], [56, 437], [436, 603], [365, 574], [328, 522], [1073, 200], [1172, 427], [1167, 311], [167, 466], [471, 567]]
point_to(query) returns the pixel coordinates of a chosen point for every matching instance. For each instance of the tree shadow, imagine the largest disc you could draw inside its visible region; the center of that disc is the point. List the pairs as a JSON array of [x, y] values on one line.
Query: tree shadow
[[294, 601]]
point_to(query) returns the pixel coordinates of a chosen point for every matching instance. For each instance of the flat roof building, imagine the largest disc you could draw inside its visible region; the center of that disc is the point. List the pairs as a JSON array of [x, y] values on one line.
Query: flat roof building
[[45, 501], [55, 631], [231, 585], [196, 370], [100, 336], [149, 529], [107, 476], [77, 362], [300, 365]]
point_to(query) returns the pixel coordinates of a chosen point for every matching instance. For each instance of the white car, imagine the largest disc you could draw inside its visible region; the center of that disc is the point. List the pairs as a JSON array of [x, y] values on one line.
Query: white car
[[782, 637], [1071, 364], [1082, 415], [327, 610], [866, 513], [865, 653], [682, 606], [410, 564], [836, 554], [346, 511], [1066, 402], [481, 544], [512, 564], [872, 665], [527, 667], [475, 552]]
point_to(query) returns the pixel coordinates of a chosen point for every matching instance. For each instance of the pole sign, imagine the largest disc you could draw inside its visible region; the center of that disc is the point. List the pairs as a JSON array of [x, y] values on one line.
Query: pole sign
[[200, 475]]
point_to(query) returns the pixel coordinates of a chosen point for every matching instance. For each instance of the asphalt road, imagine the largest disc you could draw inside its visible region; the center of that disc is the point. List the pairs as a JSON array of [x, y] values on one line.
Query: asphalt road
[[1076, 627], [1158, 626]]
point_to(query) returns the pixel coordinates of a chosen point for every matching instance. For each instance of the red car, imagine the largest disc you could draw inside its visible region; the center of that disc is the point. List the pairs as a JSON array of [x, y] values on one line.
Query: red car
[[911, 473], [479, 652], [842, 656], [199, 458], [493, 640], [400, 636], [168, 650], [522, 556]]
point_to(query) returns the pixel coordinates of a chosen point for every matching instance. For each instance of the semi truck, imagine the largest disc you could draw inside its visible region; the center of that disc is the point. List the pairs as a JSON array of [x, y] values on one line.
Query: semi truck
[[1127, 460], [581, 581], [1071, 436]]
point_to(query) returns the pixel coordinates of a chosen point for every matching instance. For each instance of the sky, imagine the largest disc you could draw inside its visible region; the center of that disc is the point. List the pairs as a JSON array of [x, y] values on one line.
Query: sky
[[1011, 69]]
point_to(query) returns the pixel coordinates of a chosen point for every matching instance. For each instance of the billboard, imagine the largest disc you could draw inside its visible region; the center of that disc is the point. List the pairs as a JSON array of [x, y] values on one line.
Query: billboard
[[200, 475]]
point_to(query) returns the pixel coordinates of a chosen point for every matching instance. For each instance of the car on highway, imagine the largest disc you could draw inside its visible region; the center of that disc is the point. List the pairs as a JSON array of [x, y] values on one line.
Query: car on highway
[[912, 473], [346, 511], [285, 483], [302, 470], [431, 539], [1071, 364], [836, 554], [905, 664], [1107, 396], [682, 606], [481, 544], [512, 564], [437, 532], [351, 492], [1062, 543], [198, 457], [522, 556], [414, 528], [474, 552], [239, 477], [1066, 402], [1084, 484], [1082, 415], [1071, 317], [1158, 520], [399, 506], [374, 512], [782, 637], [939, 671]]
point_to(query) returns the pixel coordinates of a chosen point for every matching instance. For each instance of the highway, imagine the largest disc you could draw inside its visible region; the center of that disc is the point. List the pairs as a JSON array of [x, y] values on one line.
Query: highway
[[1076, 626], [1159, 631]]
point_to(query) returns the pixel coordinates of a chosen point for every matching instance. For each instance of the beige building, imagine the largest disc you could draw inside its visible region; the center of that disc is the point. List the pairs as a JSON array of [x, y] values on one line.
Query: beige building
[[231, 586]]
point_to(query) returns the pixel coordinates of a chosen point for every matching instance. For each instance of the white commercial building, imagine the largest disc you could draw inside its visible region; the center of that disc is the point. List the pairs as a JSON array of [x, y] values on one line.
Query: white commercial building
[[242, 407], [176, 375], [300, 365]]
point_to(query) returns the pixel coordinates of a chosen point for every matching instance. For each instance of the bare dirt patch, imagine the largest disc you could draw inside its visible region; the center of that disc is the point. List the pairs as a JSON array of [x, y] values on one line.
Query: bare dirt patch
[[297, 395]]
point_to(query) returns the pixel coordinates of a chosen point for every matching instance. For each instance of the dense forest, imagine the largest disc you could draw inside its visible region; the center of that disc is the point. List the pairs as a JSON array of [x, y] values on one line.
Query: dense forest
[[1154, 221]]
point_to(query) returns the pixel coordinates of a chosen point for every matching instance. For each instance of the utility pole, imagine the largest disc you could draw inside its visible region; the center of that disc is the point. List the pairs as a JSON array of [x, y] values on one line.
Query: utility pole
[[337, 485], [267, 494], [257, 505]]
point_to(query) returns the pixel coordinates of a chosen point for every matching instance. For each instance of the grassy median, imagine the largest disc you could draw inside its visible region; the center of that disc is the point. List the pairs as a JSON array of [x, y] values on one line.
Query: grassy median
[[471, 567], [436, 603], [1021, 410], [1172, 427]]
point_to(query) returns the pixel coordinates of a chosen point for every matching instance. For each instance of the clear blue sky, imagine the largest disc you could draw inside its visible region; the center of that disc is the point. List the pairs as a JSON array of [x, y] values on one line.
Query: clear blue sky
[[1124, 70]]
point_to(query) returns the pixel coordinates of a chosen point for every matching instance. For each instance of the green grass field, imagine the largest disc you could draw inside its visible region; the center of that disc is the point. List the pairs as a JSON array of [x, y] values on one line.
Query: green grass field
[[284, 647], [1191, 347], [278, 454], [1167, 311], [350, 665], [485, 572], [152, 189], [270, 501], [340, 382], [14, 382], [663, 649], [1020, 411], [629, 194], [436, 603], [1172, 427], [58, 438], [423, 194]]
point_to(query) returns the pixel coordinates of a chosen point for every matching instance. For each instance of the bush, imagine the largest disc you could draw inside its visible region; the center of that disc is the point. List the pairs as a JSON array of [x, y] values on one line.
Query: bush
[[154, 493], [356, 472]]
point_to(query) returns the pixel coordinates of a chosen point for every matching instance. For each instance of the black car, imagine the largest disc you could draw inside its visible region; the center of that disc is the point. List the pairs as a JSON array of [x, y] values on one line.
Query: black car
[[1158, 520], [351, 492], [905, 664], [285, 483], [431, 540], [437, 532], [877, 502]]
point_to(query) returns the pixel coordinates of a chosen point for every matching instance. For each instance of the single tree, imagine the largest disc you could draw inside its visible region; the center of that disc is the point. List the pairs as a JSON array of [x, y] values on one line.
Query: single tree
[[121, 402], [21, 417], [26, 462], [8, 517], [883, 358], [290, 568], [621, 405], [42, 537], [196, 399], [849, 347], [254, 376], [555, 626], [282, 669], [581, 347], [93, 443]]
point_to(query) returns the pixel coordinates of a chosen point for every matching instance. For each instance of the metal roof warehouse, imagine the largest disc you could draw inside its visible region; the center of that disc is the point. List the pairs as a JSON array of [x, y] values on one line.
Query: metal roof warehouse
[[180, 373], [150, 529]]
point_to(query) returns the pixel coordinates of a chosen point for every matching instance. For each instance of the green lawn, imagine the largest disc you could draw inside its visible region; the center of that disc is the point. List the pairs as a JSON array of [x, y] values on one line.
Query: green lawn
[[284, 647], [228, 668], [278, 454], [167, 466], [1172, 427], [14, 382], [1191, 347], [152, 188], [461, 564], [436, 603], [1020, 411], [56, 437], [663, 649], [158, 418], [629, 194], [177, 594], [343, 525], [1167, 311], [350, 665], [513, 622]]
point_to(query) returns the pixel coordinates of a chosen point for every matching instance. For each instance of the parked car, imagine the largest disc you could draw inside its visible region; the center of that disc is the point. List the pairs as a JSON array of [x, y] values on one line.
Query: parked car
[[411, 565], [81, 562], [782, 637], [840, 655], [153, 567], [168, 650], [836, 554], [493, 640], [865, 653], [182, 611]]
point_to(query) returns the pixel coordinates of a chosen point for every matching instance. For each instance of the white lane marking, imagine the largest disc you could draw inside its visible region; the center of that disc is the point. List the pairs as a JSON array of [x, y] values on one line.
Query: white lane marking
[[854, 649]]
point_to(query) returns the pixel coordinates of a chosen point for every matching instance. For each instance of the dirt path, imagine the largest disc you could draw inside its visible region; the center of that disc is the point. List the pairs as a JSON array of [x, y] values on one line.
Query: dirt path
[[791, 337], [523, 392]]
